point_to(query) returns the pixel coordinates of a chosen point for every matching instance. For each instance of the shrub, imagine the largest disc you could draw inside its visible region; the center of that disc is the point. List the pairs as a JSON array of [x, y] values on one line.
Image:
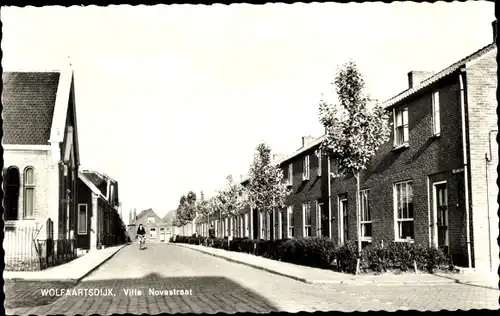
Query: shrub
[[346, 256]]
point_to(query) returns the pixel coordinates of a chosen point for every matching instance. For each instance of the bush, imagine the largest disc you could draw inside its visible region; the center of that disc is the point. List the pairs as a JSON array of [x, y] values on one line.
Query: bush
[[346, 256]]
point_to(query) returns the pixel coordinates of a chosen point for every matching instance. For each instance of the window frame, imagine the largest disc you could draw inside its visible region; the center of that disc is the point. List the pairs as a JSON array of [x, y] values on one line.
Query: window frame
[[86, 219], [290, 174], [306, 167], [290, 222], [365, 194], [343, 229], [149, 222], [152, 229], [404, 126], [28, 186], [397, 220], [436, 108], [320, 163], [319, 217], [307, 222]]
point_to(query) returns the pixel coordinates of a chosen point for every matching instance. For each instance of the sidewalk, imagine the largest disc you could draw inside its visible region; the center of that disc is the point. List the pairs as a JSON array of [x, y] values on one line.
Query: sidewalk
[[73, 271], [322, 276]]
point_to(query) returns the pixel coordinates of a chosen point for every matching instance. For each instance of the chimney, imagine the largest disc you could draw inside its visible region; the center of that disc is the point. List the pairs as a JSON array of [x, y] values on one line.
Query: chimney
[[130, 216], [495, 30], [416, 77], [306, 140], [135, 214]]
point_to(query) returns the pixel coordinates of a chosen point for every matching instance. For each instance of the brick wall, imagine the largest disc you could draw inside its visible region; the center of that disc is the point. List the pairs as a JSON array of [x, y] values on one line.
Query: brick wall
[[426, 156], [481, 85], [46, 185]]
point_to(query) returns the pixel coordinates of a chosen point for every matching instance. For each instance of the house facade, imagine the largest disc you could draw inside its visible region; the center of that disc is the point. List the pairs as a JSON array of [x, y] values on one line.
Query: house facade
[[157, 229], [99, 224], [432, 183], [41, 159]]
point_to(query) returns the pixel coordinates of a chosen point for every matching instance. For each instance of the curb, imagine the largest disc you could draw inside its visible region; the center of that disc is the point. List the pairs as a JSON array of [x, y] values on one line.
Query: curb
[[245, 263], [69, 280], [346, 282]]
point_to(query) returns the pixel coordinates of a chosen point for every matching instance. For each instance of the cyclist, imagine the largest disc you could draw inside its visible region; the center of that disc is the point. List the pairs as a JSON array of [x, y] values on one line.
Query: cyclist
[[141, 233]]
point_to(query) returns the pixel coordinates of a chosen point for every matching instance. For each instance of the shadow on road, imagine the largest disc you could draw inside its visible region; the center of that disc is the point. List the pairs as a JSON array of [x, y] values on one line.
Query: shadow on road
[[152, 293]]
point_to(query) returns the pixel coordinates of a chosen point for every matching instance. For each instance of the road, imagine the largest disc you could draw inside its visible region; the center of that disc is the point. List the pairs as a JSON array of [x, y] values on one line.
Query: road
[[217, 285]]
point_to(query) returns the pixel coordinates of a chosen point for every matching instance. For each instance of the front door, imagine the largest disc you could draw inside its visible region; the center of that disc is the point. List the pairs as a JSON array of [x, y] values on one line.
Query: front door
[[162, 234], [441, 215]]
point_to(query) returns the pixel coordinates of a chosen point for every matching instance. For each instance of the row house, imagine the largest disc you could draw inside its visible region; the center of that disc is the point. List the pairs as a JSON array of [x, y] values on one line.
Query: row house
[[432, 183], [99, 222], [157, 229]]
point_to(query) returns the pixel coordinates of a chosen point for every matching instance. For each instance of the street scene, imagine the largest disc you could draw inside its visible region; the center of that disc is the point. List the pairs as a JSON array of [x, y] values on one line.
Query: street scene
[[250, 158], [218, 285]]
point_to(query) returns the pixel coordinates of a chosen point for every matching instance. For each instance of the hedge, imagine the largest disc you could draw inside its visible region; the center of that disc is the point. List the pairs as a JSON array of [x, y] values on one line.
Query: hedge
[[322, 252]]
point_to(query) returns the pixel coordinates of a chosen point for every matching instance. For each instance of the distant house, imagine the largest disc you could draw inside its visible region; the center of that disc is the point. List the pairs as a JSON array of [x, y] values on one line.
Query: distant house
[[157, 230], [41, 160], [99, 222]]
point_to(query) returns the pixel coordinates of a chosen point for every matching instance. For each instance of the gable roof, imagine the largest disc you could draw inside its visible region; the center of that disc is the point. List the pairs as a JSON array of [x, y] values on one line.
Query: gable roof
[[28, 100], [440, 75], [90, 185]]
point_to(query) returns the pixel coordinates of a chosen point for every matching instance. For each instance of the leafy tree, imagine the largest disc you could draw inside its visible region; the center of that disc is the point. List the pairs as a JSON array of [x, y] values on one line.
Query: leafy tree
[[266, 189], [232, 198], [353, 132], [204, 208]]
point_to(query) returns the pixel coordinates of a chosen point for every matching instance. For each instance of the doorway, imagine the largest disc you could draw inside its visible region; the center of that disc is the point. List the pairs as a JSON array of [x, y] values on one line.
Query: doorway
[[162, 234], [441, 215]]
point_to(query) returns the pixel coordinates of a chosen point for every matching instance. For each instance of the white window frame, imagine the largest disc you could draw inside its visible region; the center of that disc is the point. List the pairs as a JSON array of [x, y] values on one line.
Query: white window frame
[[261, 222], [226, 227], [436, 115], [152, 236], [280, 225], [247, 228], [148, 220], [365, 194], [318, 219], [341, 219], [289, 226], [86, 219], [320, 163], [30, 187], [306, 167], [307, 228], [435, 211], [290, 174], [406, 131], [400, 220]]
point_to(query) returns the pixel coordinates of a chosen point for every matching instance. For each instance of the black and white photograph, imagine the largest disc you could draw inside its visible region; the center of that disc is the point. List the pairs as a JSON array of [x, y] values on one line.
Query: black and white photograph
[[251, 158]]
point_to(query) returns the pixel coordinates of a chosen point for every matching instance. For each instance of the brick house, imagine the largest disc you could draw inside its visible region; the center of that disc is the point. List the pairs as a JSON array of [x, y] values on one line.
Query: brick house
[[433, 183], [41, 157], [157, 229], [99, 222]]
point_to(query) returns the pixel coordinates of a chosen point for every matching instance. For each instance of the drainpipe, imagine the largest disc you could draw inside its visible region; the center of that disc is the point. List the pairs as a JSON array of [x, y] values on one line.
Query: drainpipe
[[466, 171], [487, 161], [329, 183]]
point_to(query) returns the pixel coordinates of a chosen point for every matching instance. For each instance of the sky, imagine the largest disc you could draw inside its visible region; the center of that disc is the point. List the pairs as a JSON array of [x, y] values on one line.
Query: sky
[[175, 98]]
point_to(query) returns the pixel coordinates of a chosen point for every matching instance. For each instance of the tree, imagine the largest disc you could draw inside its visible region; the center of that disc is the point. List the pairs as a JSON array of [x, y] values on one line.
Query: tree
[[353, 133], [232, 198], [266, 189], [204, 208]]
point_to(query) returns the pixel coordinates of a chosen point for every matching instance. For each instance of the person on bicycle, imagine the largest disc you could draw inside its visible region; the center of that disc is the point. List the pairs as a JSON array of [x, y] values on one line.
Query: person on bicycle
[[141, 233]]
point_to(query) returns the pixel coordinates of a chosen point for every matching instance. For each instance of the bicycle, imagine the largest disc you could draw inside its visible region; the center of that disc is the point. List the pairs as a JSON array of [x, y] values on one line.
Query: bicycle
[[142, 241]]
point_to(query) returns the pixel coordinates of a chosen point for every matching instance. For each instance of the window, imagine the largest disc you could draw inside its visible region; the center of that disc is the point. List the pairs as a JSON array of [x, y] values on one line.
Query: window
[[247, 231], [305, 171], [366, 219], [29, 192], [262, 228], [290, 174], [344, 222], [291, 222], [320, 165], [403, 202], [151, 220], [11, 199], [226, 226], [152, 233], [436, 118], [306, 211], [401, 127], [82, 219], [319, 206]]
